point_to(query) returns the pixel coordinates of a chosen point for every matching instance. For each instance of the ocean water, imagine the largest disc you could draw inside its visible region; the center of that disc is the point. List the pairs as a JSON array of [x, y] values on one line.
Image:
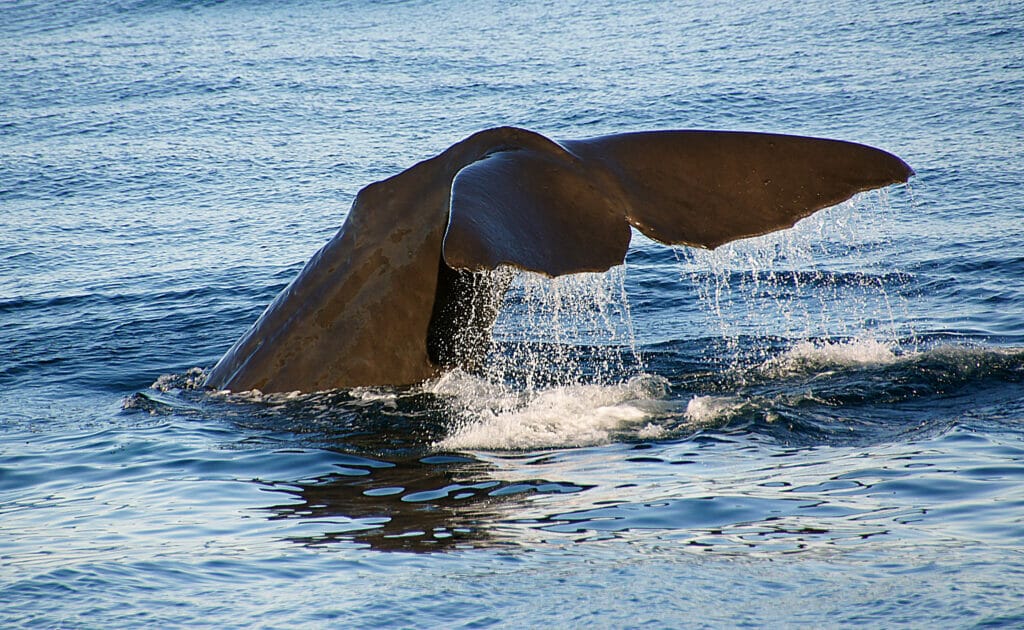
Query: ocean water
[[820, 427]]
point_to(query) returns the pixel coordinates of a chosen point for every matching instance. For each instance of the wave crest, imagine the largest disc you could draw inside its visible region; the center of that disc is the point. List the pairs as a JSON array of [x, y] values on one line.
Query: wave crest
[[809, 356]]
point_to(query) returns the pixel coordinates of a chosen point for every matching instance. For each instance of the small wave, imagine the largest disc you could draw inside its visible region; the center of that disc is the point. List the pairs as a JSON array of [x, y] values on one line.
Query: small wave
[[817, 389], [495, 418], [823, 356], [711, 410], [817, 355]]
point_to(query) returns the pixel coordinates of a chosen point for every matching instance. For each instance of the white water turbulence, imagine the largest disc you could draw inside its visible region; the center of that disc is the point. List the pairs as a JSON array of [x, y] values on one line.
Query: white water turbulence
[[563, 371], [806, 356], [777, 287], [494, 416], [816, 359]]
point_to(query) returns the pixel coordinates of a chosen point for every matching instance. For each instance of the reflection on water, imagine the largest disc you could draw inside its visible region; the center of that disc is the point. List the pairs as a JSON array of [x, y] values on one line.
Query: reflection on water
[[711, 493], [766, 460], [434, 503]]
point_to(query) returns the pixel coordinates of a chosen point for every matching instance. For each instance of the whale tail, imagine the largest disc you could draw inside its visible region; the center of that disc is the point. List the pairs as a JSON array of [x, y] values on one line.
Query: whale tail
[[391, 299], [566, 208]]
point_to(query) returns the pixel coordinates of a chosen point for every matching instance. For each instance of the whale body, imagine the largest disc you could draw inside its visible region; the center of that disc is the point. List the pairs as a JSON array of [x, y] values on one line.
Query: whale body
[[397, 295]]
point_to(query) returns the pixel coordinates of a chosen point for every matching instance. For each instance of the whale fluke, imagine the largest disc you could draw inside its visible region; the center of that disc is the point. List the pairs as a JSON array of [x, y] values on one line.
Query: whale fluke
[[564, 208], [393, 298]]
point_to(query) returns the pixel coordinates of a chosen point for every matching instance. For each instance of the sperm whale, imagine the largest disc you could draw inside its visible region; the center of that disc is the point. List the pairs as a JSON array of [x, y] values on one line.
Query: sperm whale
[[397, 295]]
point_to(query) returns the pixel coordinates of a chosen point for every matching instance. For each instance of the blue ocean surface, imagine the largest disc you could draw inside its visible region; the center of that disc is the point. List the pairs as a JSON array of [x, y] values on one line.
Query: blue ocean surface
[[818, 427]]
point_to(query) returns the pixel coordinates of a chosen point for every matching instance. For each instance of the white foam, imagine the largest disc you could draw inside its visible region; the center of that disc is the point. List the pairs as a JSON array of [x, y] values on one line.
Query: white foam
[[810, 355], [495, 418], [383, 395], [651, 431], [709, 410]]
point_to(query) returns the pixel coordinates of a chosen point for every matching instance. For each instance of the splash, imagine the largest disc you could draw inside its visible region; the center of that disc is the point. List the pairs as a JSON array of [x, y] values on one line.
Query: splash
[[495, 417], [564, 331], [565, 367], [712, 410], [826, 278], [564, 370], [193, 378], [809, 356]]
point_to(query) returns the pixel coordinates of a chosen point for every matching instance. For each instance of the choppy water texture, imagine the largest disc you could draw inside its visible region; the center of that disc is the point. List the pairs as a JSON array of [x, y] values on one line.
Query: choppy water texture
[[819, 427]]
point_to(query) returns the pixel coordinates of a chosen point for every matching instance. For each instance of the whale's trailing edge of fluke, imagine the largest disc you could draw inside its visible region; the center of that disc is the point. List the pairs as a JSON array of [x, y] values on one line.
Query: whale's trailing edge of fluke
[[392, 298]]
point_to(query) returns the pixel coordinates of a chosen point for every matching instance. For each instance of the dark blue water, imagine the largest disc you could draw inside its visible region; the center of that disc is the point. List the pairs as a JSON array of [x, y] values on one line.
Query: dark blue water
[[819, 427]]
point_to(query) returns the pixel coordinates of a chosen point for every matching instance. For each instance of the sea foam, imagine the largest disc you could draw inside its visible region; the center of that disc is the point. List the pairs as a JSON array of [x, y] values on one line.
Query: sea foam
[[491, 417], [809, 355]]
